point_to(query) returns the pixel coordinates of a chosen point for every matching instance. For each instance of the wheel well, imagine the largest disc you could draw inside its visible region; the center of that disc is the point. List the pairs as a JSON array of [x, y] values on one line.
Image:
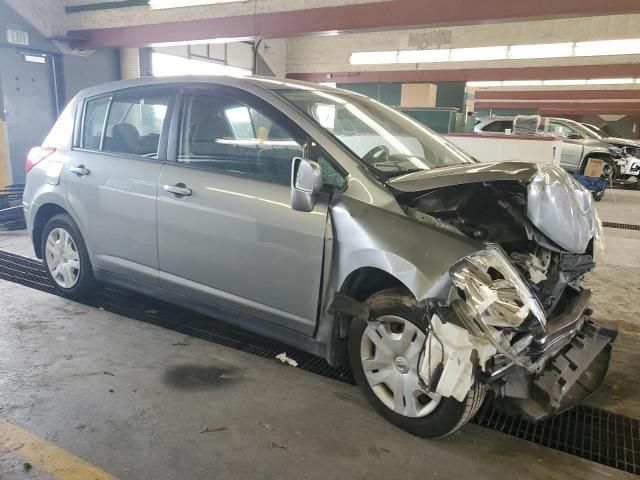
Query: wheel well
[[604, 156], [45, 212], [366, 281], [359, 285]]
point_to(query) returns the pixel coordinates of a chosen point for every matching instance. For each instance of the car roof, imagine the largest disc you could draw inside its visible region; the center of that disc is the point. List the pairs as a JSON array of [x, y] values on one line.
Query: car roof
[[248, 83]]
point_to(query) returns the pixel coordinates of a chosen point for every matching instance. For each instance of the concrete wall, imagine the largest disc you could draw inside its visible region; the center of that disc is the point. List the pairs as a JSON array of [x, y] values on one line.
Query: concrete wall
[[85, 71], [48, 17], [10, 19], [274, 53], [144, 15], [331, 53]]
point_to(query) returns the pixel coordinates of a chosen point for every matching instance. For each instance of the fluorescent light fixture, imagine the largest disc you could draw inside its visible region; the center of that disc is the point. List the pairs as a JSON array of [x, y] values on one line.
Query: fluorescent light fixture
[[521, 83], [560, 83], [607, 47], [537, 83], [502, 52], [484, 84], [610, 81], [542, 50], [328, 84], [478, 53], [186, 3], [372, 58], [423, 56]]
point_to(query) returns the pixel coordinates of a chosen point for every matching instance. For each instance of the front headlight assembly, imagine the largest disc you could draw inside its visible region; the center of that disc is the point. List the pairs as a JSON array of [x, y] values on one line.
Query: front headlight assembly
[[599, 246], [493, 295]]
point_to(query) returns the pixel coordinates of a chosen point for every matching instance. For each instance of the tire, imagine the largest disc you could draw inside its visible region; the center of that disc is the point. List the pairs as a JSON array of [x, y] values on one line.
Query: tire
[[433, 421], [63, 246]]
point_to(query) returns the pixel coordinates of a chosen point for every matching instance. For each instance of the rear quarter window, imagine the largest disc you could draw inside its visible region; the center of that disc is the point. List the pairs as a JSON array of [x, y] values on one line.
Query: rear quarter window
[[61, 133], [94, 113]]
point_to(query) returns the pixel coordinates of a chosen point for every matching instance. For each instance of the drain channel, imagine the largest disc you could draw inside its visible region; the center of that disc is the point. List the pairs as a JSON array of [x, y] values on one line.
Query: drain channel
[[623, 226], [586, 432]]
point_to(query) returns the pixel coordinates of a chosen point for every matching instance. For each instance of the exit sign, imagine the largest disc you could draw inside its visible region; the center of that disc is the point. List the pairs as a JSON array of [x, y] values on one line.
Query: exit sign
[[18, 37]]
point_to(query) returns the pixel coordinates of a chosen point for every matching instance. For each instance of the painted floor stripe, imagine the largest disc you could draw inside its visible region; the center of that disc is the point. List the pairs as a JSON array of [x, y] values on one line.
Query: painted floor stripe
[[59, 463]]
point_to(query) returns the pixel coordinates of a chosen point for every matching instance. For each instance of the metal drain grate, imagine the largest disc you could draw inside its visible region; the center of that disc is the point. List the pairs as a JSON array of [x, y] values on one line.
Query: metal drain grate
[[11, 214], [623, 226], [586, 432]]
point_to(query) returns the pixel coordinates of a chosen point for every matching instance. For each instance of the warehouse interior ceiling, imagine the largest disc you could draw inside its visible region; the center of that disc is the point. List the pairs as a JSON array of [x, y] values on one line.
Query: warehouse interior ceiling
[[494, 45]]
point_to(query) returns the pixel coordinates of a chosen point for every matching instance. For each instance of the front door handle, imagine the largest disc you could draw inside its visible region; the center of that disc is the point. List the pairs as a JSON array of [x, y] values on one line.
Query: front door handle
[[179, 190], [80, 170]]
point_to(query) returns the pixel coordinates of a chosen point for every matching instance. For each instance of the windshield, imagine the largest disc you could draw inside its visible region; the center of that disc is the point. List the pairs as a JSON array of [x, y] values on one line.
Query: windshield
[[385, 140], [583, 130], [597, 131]]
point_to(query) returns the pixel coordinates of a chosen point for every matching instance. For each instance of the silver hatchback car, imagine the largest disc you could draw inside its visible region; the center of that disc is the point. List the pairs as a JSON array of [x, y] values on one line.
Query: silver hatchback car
[[329, 221]]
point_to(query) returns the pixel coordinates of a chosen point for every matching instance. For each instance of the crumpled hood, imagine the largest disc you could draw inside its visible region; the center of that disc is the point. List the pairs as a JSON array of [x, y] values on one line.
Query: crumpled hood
[[556, 204], [621, 142], [461, 174]]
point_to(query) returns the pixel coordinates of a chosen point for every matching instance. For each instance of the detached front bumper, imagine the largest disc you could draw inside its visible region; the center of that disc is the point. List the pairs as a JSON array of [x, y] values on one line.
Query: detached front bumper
[[573, 360]]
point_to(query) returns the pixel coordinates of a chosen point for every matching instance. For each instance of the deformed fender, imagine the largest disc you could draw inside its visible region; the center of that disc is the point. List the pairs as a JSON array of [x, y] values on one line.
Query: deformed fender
[[416, 254]]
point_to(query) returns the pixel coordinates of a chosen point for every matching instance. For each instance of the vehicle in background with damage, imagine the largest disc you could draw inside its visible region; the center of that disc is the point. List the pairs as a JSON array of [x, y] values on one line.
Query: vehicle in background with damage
[[627, 169], [578, 143], [329, 221]]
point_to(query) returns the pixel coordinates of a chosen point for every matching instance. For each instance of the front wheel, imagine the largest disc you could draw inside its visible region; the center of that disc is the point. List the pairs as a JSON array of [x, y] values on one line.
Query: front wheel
[[385, 354], [66, 259]]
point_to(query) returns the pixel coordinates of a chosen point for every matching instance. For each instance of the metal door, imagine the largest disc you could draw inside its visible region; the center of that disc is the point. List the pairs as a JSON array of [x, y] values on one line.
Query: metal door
[[571, 155], [237, 242], [29, 103], [229, 237], [112, 183]]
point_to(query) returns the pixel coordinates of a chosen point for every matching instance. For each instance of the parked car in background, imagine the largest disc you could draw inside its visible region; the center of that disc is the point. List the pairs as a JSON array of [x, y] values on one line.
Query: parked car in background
[[331, 222], [578, 143], [629, 168]]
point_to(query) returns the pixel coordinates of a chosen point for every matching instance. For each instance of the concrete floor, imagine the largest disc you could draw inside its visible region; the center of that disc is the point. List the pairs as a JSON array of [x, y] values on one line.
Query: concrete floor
[[137, 400]]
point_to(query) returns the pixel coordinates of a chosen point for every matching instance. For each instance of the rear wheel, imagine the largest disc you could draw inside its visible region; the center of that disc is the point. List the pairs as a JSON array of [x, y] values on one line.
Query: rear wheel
[[66, 258], [385, 354]]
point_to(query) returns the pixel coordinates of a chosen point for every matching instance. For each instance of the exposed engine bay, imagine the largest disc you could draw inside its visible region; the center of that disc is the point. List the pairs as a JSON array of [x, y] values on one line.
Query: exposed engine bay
[[515, 309], [496, 213]]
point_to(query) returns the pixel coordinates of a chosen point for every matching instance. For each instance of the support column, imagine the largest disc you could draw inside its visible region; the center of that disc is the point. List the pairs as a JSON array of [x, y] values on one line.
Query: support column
[[129, 63]]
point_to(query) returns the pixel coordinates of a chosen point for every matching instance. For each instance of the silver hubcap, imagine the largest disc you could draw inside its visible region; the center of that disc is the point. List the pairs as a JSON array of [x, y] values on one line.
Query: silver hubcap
[[63, 259], [390, 353]]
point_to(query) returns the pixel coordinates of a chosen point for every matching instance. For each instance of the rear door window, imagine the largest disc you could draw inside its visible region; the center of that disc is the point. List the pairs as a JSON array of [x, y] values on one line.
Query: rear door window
[[94, 115], [135, 123]]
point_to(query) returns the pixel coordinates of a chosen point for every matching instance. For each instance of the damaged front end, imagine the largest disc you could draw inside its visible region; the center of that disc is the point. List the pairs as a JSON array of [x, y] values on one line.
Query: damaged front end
[[515, 316]]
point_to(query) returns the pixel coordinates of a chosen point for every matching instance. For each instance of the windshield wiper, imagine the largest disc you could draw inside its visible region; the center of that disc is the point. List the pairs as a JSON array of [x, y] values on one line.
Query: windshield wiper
[[403, 172]]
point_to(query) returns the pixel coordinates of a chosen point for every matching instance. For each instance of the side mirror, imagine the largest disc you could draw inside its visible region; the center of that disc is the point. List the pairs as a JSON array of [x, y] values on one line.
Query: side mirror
[[306, 183], [574, 136]]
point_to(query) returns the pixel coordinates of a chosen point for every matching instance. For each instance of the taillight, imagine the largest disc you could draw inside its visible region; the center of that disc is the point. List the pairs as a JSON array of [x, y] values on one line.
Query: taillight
[[36, 155]]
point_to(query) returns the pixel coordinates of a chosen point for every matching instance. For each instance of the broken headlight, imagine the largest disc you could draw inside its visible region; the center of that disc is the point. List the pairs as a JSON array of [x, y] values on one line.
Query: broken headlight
[[598, 239], [493, 290]]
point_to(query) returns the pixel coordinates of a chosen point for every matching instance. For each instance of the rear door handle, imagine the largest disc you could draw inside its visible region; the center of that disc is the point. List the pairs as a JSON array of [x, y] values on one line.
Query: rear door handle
[[80, 170], [179, 190]]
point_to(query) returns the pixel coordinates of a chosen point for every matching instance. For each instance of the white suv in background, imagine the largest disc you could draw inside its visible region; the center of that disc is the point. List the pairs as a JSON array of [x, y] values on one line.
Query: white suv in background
[[579, 144]]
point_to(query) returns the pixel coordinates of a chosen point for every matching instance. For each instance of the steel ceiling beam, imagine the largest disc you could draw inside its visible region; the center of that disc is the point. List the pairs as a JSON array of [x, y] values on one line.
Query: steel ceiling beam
[[374, 16]]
